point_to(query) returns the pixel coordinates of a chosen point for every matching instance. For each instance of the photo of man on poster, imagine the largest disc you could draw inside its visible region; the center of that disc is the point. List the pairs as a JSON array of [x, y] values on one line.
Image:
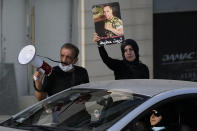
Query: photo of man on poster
[[108, 23]]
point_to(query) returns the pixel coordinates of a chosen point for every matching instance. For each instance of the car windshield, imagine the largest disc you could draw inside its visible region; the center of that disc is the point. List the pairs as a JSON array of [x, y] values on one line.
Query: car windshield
[[79, 109]]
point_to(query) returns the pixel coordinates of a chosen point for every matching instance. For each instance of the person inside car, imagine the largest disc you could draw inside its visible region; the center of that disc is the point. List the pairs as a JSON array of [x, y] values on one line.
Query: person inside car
[[157, 121]]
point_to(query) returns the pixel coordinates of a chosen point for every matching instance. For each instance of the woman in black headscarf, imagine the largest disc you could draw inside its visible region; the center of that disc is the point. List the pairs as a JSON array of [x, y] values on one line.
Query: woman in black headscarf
[[157, 120], [128, 68]]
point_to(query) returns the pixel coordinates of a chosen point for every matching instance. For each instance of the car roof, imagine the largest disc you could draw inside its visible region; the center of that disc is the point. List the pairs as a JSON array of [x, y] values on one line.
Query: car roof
[[148, 87]]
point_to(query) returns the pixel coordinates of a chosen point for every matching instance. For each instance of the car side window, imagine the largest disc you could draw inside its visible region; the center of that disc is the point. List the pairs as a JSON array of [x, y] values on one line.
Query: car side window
[[177, 114], [187, 113]]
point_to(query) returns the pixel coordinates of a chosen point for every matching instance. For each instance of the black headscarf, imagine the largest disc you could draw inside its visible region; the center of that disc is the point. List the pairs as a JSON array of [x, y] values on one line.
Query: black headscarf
[[134, 45], [163, 112]]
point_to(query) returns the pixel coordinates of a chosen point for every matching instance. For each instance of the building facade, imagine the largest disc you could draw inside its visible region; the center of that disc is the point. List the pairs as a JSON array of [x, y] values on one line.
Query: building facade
[[48, 24]]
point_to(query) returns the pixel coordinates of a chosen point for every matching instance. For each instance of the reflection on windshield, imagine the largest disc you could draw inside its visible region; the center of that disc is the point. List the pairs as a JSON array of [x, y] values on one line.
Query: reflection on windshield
[[81, 109]]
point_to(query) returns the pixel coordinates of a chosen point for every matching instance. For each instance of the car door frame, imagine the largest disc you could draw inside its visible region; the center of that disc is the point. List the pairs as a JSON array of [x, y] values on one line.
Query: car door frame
[[164, 96]]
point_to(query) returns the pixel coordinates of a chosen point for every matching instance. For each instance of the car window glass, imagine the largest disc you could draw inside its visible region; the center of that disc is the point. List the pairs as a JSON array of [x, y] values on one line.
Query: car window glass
[[179, 115], [81, 109]]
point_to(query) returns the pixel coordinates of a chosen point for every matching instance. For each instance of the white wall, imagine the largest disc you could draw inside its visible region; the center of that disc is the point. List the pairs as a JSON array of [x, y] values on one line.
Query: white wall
[[13, 31], [52, 29], [53, 26], [1, 30]]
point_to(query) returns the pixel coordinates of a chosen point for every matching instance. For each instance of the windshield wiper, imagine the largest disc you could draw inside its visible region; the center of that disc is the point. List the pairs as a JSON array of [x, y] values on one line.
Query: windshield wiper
[[42, 128], [12, 123]]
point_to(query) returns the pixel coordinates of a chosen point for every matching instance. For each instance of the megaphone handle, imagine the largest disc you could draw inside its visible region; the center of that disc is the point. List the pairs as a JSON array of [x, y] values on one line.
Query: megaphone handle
[[43, 71]]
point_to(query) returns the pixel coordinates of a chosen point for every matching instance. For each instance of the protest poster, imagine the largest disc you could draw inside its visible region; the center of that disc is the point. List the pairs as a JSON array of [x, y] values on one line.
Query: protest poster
[[108, 23]]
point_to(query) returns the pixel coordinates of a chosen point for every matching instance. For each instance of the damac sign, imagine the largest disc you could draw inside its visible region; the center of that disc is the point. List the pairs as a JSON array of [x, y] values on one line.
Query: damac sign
[[179, 57]]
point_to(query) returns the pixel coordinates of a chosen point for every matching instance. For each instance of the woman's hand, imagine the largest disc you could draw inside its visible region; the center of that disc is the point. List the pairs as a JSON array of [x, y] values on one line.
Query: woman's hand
[[96, 38]]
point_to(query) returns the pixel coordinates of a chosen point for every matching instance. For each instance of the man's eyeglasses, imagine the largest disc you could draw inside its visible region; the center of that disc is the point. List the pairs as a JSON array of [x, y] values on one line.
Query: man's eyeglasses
[[156, 113]]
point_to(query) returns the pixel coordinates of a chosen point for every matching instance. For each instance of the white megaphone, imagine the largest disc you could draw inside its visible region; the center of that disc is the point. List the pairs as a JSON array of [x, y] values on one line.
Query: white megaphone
[[28, 55]]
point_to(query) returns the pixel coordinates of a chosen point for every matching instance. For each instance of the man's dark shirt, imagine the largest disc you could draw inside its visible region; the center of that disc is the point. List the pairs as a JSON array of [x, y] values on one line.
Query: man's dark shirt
[[124, 69], [59, 80]]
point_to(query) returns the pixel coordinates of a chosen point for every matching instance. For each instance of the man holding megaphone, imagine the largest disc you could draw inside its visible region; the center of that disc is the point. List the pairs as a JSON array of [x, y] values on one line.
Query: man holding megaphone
[[63, 76]]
